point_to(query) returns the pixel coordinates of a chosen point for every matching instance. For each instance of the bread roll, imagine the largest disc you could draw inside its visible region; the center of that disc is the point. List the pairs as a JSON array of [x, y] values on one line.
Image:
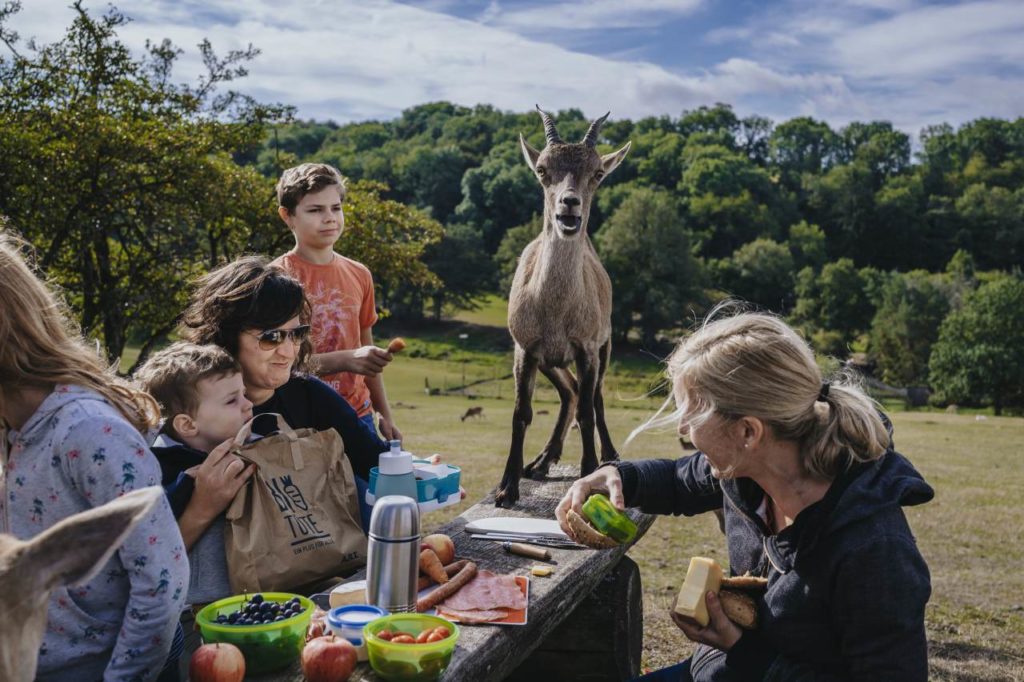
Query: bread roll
[[739, 607]]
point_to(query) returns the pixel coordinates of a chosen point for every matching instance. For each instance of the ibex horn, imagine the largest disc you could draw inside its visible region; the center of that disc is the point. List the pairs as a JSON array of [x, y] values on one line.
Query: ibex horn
[[591, 137], [549, 127]]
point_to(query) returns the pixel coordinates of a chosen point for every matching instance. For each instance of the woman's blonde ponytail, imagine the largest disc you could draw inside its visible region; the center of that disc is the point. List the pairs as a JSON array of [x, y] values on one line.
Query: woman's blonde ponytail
[[849, 429]]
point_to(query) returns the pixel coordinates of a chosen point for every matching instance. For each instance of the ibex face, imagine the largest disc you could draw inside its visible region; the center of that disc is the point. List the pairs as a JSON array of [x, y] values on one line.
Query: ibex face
[[569, 174]]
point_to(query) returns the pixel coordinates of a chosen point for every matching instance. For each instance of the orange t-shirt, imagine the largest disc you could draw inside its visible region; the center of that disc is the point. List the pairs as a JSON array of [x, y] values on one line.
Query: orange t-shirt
[[341, 295]]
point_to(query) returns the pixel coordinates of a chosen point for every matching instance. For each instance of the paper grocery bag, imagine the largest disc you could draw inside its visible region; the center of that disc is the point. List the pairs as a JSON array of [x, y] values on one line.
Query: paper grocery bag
[[297, 519]]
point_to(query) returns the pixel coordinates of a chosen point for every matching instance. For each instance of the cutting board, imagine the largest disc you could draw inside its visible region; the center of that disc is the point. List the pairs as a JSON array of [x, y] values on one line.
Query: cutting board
[[518, 526]]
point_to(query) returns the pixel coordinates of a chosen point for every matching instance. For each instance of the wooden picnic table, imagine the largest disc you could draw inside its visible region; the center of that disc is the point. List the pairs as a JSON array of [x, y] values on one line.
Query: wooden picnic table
[[585, 621]]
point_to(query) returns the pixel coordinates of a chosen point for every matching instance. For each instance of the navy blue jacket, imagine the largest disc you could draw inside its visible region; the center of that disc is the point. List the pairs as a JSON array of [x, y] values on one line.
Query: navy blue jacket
[[175, 458], [306, 402], [847, 586]]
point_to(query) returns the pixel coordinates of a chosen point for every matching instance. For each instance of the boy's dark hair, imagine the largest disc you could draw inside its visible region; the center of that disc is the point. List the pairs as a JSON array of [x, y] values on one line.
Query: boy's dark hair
[[172, 376], [247, 293], [298, 181]]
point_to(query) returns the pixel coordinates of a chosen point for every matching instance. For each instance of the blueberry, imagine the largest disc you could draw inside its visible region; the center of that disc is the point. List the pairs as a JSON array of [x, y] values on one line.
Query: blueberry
[[256, 598], [233, 617]]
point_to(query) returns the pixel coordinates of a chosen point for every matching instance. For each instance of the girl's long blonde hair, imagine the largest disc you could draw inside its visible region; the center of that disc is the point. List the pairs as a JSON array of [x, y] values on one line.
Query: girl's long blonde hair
[[41, 345], [754, 364]]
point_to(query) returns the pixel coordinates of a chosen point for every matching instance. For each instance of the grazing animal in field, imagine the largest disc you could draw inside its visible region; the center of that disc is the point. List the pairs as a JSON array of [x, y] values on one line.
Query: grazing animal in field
[[473, 412], [560, 306], [68, 553]]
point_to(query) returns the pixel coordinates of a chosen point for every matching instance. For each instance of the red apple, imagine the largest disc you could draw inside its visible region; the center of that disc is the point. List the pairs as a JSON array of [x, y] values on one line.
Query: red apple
[[443, 547], [329, 659], [217, 663]]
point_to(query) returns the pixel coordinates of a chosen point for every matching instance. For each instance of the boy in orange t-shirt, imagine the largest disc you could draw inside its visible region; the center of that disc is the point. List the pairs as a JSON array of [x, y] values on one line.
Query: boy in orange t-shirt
[[339, 289]]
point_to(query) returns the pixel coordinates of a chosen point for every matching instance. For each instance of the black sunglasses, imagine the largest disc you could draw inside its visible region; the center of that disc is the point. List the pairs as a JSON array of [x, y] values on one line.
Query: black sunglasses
[[272, 338]]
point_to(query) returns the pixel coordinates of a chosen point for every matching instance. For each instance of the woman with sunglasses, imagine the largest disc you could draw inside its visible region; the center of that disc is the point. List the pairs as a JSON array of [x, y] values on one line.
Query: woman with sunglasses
[[259, 314]]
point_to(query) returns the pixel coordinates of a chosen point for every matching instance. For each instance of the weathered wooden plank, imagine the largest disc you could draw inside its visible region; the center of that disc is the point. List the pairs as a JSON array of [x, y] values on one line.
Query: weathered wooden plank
[[601, 640], [491, 652]]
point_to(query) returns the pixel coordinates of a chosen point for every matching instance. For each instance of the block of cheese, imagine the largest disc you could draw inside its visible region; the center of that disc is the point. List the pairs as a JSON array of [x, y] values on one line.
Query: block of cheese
[[703, 576], [349, 593]]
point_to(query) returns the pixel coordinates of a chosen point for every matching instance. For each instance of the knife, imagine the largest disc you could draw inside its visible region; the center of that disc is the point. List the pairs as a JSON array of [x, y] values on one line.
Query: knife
[[531, 539]]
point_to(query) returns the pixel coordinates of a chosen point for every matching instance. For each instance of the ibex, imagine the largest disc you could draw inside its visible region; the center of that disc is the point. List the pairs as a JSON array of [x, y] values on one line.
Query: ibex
[[68, 553], [560, 306], [473, 412]]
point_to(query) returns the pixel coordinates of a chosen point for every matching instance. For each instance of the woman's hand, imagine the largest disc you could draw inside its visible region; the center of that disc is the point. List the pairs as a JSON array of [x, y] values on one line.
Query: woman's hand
[[720, 632], [218, 480], [604, 480]]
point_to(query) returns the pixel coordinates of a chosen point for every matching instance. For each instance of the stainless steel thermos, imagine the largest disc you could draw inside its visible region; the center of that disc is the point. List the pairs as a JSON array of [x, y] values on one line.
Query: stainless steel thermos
[[392, 566]]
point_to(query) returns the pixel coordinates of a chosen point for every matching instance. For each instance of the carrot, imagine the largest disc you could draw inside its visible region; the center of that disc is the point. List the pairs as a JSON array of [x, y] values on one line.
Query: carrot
[[451, 569], [442, 592], [431, 565]]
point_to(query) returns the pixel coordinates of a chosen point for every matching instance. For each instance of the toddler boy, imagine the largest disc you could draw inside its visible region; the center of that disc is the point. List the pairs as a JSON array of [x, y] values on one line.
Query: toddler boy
[[202, 399], [339, 289]]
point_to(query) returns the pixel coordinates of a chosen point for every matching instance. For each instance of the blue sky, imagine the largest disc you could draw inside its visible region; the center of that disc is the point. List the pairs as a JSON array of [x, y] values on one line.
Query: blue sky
[[911, 62]]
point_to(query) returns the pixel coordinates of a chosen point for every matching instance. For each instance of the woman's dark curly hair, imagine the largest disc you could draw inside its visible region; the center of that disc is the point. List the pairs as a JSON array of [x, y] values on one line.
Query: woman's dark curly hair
[[247, 293]]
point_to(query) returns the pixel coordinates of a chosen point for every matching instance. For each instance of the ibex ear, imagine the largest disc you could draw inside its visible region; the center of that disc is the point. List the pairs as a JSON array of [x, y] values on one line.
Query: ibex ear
[[529, 153], [611, 160], [73, 551]]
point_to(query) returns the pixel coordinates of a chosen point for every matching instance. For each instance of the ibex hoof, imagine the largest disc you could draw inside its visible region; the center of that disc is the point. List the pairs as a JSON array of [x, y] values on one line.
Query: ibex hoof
[[507, 498], [537, 470]]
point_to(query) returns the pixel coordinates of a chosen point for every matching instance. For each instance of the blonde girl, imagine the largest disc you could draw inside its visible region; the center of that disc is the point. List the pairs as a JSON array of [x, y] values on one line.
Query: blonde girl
[[71, 438], [811, 492]]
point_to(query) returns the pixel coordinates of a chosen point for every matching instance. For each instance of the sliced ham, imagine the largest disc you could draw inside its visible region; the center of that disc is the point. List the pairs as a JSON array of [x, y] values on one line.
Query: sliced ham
[[486, 592], [473, 616]]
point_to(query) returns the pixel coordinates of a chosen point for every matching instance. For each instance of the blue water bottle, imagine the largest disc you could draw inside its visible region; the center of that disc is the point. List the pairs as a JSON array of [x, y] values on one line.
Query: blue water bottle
[[394, 473]]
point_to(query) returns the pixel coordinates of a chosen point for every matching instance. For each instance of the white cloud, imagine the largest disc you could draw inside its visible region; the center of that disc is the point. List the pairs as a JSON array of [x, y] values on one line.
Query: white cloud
[[833, 59], [375, 59], [588, 14], [935, 41]]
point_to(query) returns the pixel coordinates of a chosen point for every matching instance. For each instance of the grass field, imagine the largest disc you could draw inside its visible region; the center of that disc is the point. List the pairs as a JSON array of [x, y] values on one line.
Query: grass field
[[970, 534]]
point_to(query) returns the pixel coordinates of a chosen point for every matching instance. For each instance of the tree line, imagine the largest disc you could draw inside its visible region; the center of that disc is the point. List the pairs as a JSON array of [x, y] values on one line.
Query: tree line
[[906, 251]]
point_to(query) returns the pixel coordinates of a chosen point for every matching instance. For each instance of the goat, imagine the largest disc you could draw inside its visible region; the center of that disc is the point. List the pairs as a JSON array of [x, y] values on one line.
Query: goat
[[560, 306], [473, 412], [70, 552]]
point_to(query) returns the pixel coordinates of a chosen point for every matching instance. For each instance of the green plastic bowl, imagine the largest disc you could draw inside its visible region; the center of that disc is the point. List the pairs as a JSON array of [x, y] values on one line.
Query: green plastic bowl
[[409, 662], [266, 647]]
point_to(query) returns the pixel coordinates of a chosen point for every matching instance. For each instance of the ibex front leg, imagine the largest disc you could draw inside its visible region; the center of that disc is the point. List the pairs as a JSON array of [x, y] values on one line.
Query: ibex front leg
[[608, 452], [565, 384], [525, 371], [586, 371]]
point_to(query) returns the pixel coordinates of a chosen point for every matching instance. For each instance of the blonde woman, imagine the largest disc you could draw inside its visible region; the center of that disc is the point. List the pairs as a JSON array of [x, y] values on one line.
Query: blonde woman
[[71, 439], [812, 493]]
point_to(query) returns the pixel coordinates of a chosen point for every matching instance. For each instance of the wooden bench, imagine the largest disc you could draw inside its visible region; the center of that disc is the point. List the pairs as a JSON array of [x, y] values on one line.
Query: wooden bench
[[585, 621]]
